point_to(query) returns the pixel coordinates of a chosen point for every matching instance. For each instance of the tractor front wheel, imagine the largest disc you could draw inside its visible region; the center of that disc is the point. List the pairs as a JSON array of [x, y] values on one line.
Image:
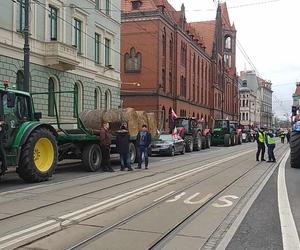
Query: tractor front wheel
[[38, 157]]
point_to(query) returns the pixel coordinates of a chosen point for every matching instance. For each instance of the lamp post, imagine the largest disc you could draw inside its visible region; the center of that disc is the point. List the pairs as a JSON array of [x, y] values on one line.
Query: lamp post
[[26, 48]]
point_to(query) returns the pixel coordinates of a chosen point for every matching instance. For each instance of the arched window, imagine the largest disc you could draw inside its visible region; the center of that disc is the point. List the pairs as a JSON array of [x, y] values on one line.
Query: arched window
[[228, 42], [171, 123], [78, 98], [107, 100], [133, 61], [164, 41], [53, 86], [20, 80], [193, 114], [97, 98]]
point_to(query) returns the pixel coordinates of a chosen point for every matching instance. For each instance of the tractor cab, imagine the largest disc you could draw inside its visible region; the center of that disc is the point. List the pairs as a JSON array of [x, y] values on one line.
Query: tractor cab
[[221, 127]]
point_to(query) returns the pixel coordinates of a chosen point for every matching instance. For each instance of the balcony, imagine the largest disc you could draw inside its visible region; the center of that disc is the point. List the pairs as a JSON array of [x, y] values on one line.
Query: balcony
[[60, 56]]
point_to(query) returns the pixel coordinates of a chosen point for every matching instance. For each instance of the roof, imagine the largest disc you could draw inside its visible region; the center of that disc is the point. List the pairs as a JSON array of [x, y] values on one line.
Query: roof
[[206, 30], [147, 5], [225, 17]]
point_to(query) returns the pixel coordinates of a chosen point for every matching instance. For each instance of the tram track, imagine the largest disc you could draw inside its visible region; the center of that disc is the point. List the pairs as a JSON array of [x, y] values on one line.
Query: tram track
[[115, 185], [166, 236]]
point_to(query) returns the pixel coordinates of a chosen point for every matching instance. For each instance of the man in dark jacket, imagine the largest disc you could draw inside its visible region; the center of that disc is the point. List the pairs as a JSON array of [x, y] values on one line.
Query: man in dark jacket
[[122, 143], [105, 142], [143, 142]]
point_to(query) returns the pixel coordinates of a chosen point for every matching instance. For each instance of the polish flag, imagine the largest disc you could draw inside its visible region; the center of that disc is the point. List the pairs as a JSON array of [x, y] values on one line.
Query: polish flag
[[174, 133], [173, 114]]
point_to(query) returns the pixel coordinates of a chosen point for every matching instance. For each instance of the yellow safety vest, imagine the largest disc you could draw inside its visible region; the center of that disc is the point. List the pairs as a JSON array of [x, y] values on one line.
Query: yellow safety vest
[[271, 141], [261, 137]]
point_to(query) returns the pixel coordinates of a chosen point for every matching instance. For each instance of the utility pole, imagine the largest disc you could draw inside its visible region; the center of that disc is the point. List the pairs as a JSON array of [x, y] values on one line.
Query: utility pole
[[26, 46]]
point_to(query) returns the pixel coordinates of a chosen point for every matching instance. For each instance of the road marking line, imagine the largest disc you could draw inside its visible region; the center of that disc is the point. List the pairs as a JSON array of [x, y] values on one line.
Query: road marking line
[[237, 222], [90, 210], [160, 198], [290, 238]]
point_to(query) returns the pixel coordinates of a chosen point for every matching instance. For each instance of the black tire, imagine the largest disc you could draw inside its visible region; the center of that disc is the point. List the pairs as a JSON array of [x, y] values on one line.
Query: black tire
[[28, 169], [92, 157], [208, 141], [239, 139], [227, 140], [132, 153], [189, 145], [233, 140], [295, 149], [172, 151], [183, 150], [198, 142]]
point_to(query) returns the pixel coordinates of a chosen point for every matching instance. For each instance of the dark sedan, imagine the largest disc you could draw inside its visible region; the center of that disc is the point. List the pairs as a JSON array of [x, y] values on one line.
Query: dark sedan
[[168, 145]]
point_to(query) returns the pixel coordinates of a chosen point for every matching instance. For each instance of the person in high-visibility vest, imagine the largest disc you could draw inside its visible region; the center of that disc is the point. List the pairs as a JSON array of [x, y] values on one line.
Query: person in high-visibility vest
[[260, 138], [270, 141]]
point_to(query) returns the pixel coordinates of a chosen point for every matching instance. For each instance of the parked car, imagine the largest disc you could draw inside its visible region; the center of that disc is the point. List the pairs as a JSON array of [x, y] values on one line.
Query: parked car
[[167, 144]]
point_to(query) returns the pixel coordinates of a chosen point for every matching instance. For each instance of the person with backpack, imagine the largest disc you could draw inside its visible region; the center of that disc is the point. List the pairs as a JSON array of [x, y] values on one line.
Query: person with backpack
[[143, 143]]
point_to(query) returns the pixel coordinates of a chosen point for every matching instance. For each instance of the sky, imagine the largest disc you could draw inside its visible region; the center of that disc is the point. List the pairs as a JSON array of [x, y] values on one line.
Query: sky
[[268, 30]]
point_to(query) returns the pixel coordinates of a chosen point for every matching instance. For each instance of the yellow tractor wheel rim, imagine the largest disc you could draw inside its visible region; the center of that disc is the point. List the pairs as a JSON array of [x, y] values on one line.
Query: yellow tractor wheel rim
[[43, 154]]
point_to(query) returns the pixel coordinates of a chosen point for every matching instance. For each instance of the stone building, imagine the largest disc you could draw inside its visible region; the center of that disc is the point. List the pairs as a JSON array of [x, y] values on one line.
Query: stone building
[[74, 46], [296, 95], [187, 67]]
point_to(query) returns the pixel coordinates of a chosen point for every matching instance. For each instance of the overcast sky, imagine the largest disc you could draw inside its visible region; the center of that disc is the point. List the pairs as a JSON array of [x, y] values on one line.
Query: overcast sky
[[269, 33]]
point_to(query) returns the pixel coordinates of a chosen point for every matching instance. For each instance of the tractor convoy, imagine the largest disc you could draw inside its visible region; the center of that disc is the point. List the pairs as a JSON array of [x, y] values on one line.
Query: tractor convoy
[[35, 147]]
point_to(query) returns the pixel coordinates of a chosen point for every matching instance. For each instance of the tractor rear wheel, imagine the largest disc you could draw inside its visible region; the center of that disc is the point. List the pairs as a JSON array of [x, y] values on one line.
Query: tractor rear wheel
[[38, 157], [198, 144], [295, 149], [227, 140], [208, 142], [92, 157], [189, 145]]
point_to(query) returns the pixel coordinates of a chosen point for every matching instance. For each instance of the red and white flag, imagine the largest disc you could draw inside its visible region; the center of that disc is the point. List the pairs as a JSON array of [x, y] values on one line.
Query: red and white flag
[[173, 114], [174, 133]]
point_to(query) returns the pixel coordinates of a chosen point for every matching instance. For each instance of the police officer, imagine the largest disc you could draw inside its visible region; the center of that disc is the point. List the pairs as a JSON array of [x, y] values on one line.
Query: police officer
[[260, 138], [270, 141]]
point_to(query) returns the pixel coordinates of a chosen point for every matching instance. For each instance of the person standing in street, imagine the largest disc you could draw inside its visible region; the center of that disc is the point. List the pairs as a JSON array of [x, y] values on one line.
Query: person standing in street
[[282, 136], [122, 143], [105, 142], [260, 138], [270, 141], [143, 142], [288, 136]]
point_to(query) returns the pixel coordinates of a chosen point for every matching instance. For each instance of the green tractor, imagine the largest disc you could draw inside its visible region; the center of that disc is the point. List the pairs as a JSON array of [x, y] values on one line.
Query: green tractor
[[224, 133], [35, 147]]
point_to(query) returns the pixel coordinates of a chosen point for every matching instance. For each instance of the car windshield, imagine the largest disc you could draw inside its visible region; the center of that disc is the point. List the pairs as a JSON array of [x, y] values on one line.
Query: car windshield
[[166, 138], [220, 124]]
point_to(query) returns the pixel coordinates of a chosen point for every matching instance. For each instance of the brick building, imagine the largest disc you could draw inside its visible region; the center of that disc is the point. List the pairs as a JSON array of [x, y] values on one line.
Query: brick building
[[188, 67]]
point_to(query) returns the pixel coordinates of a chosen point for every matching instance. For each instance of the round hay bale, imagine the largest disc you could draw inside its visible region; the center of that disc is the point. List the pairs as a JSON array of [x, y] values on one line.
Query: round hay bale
[[92, 119], [152, 123], [114, 117], [131, 117], [143, 119]]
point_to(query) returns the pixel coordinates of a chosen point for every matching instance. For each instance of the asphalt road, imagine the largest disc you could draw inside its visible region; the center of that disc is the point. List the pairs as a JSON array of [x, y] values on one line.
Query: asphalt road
[[184, 202]]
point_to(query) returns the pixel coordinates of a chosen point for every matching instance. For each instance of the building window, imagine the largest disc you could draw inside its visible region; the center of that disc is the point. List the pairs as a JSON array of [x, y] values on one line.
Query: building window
[[228, 43], [171, 82], [97, 6], [107, 100], [97, 98], [21, 15], [97, 48], [171, 49], [77, 34], [20, 80], [53, 23], [107, 52], [107, 7], [53, 98], [77, 99], [136, 4], [163, 77], [133, 61], [164, 43]]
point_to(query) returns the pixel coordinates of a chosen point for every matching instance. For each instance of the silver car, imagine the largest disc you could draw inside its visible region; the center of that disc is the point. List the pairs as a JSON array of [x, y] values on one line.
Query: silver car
[[168, 145]]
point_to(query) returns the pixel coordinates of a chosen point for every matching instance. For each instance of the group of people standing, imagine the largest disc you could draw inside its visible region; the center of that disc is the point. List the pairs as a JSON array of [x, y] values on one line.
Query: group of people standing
[[143, 141], [282, 136], [263, 138]]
